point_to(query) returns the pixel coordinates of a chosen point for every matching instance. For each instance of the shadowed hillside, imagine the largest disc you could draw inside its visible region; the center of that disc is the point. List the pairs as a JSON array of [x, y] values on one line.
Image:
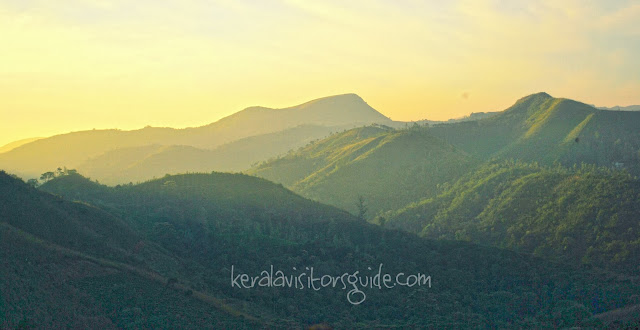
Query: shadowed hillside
[[67, 264], [212, 221]]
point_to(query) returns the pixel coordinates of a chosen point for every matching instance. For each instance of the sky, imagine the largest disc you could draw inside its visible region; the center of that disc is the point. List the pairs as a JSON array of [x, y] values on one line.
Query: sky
[[83, 64]]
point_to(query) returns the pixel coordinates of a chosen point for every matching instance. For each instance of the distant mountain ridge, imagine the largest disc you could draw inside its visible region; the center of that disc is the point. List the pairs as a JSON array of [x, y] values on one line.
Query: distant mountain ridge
[[623, 108], [136, 164], [537, 127], [12, 145], [73, 149]]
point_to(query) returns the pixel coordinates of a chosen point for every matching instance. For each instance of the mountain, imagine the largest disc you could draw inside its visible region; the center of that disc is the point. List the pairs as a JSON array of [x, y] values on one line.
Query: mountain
[[12, 145], [73, 149], [339, 110], [546, 129], [387, 168], [619, 108], [209, 222], [137, 164], [582, 215], [390, 169]]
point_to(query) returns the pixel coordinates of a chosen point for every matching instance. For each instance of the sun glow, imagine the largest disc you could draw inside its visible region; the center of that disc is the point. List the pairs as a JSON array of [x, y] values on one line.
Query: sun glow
[[103, 64]]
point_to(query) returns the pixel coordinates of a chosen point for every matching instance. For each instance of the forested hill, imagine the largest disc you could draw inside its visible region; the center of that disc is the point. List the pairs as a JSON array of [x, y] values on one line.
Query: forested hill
[[584, 215], [387, 168], [205, 223], [72, 265], [546, 129]]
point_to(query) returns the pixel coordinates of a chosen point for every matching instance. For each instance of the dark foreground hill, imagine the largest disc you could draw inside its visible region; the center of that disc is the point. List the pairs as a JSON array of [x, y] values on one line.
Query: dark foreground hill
[[70, 265], [206, 225]]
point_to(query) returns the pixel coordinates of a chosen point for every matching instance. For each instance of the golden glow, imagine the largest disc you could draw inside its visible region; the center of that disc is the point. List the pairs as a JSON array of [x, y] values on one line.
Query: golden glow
[[78, 64]]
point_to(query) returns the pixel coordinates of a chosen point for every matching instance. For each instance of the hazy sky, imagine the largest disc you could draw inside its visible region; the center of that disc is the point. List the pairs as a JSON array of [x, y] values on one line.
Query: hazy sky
[[82, 64]]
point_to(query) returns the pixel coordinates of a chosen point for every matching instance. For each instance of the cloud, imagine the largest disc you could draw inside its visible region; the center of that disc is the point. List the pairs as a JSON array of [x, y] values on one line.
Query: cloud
[[623, 21]]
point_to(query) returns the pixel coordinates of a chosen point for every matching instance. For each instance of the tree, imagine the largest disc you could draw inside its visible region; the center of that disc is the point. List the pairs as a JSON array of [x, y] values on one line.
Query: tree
[[46, 176], [32, 182], [362, 208]]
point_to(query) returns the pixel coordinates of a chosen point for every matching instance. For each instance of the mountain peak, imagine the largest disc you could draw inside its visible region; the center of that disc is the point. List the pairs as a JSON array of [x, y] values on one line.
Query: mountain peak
[[540, 95], [335, 110], [346, 99]]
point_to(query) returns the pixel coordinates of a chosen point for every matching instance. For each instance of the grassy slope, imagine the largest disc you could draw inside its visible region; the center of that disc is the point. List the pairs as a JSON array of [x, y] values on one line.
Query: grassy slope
[[545, 129], [388, 168]]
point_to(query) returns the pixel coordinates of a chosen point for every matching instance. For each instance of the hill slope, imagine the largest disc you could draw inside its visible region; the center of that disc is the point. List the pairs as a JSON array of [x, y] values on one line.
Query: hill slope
[[12, 145], [546, 129], [67, 264], [136, 164], [583, 215], [388, 168]]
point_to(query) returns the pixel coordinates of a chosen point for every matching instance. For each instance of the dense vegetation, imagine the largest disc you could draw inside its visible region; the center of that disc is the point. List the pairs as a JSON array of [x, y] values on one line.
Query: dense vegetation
[[196, 226], [388, 168], [582, 214], [71, 265]]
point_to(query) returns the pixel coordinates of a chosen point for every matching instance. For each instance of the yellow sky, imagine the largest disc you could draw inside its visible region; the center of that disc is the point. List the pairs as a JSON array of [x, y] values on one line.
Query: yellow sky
[[83, 64]]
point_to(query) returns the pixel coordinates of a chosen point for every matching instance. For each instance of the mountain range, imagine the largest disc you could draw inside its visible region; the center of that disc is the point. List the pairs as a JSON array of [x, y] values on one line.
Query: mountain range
[[523, 218], [293, 126], [390, 168], [619, 108]]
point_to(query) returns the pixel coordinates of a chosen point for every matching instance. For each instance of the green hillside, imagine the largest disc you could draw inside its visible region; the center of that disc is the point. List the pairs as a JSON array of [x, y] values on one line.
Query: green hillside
[[387, 168], [584, 215], [546, 129], [209, 222]]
